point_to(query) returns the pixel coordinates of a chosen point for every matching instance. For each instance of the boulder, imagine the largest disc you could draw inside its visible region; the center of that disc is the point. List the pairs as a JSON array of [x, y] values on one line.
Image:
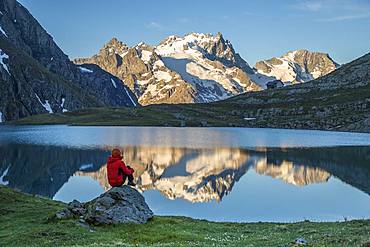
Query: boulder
[[117, 205]]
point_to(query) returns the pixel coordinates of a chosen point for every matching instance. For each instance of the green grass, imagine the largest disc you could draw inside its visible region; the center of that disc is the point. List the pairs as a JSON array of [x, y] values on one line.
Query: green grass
[[25, 221]]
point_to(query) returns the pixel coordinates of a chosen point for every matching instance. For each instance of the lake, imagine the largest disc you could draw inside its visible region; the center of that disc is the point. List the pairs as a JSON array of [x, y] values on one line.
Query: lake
[[219, 174]]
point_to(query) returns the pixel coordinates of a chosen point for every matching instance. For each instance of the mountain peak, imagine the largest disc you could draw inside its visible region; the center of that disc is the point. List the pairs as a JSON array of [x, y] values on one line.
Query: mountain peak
[[114, 42], [114, 46], [297, 66]]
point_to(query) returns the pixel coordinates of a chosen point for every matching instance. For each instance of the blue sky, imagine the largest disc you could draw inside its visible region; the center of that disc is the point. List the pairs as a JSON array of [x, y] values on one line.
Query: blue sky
[[258, 29]]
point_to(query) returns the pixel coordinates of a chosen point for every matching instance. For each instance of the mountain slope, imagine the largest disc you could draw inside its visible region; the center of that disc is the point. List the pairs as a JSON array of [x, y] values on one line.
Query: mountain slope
[[143, 71], [297, 66], [337, 101], [199, 68], [26, 47], [195, 68]]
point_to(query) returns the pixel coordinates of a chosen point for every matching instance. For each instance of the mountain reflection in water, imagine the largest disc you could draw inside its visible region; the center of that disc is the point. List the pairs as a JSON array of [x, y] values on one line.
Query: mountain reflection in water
[[196, 175]]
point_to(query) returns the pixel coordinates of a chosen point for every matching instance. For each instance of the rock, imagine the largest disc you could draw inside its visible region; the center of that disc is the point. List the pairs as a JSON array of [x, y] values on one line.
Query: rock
[[300, 241], [74, 204], [76, 208], [64, 214], [118, 205]]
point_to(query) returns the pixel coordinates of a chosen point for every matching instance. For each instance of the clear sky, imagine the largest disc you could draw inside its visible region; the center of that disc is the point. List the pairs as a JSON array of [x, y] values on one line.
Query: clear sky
[[258, 29]]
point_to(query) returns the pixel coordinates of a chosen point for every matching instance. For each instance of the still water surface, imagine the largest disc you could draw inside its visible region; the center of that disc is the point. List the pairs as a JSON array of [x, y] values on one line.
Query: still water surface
[[221, 174]]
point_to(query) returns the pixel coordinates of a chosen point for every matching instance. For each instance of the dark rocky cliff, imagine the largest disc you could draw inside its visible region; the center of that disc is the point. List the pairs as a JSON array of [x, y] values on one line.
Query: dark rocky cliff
[[37, 77]]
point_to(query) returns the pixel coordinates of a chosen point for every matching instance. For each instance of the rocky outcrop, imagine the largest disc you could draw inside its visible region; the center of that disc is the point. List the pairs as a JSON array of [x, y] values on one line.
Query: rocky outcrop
[[297, 66], [37, 77], [116, 206]]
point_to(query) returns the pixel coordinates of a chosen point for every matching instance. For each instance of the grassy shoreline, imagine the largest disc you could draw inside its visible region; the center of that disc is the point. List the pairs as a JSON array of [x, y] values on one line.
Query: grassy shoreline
[[234, 112], [25, 221]]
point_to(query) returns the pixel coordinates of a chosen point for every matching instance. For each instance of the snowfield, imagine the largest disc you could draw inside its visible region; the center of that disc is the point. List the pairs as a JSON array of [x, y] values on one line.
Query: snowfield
[[113, 82], [2, 177], [3, 56], [132, 101], [46, 105], [3, 32], [85, 70]]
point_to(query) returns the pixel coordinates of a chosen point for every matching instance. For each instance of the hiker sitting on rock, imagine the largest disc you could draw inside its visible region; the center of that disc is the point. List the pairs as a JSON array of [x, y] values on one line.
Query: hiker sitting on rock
[[118, 171]]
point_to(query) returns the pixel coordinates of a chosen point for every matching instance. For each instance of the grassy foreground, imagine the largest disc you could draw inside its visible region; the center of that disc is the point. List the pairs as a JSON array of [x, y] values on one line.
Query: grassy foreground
[[24, 221]]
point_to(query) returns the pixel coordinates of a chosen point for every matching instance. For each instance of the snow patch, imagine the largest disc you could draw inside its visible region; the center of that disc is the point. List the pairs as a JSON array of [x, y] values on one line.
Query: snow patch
[[3, 56], [86, 166], [128, 94], [1, 117], [46, 105], [250, 118], [2, 181], [146, 55], [113, 82], [158, 64], [261, 79], [3, 32], [163, 75], [62, 105], [85, 70], [122, 55], [63, 101]]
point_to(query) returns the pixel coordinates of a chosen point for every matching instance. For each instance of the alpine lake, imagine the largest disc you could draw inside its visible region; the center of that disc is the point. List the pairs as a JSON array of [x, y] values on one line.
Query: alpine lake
[[218, 174]]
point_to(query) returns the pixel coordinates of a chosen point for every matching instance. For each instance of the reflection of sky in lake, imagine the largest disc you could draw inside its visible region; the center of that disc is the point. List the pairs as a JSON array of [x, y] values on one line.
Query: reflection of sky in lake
[[83, 188], [215, 177], [261, 198]]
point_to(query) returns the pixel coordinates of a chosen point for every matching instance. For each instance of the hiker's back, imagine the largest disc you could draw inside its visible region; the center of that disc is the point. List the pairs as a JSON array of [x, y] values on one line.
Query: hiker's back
[[114, 176]]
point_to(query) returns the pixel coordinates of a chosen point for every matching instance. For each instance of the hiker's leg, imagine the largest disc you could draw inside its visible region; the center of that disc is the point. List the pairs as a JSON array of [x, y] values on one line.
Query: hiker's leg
[[130, 178], [124, 176]]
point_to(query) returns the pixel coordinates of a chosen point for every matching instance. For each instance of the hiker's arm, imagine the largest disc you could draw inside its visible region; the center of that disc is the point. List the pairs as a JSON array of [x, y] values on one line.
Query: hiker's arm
[[125, 169]]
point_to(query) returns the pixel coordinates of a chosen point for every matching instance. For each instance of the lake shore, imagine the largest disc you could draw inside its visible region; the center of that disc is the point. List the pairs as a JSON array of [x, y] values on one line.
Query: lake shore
[[301, 106], [26, 221]]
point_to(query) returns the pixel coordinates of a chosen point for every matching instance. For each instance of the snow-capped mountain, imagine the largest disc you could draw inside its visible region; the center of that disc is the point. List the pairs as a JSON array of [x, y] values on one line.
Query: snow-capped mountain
[[200, 68], [143, 71], [297, 66], [193, 68]]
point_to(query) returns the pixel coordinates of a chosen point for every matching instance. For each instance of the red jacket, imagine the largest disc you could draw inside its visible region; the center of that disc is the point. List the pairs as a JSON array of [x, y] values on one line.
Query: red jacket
[[115, 167]]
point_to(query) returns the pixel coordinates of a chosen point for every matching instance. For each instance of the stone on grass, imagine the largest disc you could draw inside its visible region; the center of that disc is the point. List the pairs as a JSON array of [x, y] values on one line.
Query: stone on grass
[[64, 214], [118, 205], [300, 241]]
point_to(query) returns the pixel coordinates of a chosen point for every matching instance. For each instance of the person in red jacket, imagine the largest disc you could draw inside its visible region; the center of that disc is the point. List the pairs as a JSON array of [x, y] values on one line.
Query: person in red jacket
[[118, 171]]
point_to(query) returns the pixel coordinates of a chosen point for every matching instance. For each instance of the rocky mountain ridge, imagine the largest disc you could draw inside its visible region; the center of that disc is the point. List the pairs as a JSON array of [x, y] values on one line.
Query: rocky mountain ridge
[[37, 77], [195, 69], [297, 66], [199, 68]]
